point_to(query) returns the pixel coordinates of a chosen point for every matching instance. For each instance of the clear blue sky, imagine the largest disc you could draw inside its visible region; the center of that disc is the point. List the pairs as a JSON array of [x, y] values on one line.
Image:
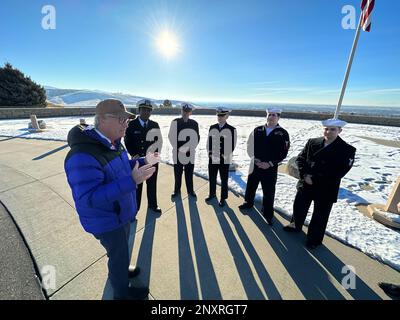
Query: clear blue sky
[[229, 50]]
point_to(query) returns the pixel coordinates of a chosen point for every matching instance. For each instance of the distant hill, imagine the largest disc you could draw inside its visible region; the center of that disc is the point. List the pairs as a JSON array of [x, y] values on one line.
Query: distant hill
[[90, 98]]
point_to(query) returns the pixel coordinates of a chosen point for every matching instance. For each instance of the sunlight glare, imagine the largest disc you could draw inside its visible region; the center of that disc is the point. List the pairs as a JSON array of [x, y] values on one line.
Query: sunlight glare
[[167, 44]]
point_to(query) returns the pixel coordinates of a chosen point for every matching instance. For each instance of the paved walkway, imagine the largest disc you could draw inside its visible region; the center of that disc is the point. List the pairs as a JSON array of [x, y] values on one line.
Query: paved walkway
[[18, 280], [191, 251]]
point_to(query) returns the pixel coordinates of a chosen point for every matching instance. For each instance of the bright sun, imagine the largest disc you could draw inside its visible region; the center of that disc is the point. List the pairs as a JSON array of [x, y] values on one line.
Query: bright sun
[[167, 44]]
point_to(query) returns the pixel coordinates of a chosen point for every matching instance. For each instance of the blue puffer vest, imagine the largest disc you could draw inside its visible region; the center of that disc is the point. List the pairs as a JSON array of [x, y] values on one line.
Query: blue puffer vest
[[99, 175]]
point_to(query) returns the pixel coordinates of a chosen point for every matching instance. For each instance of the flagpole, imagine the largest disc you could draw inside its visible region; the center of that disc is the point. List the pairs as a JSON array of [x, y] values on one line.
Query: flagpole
[[349, 64]]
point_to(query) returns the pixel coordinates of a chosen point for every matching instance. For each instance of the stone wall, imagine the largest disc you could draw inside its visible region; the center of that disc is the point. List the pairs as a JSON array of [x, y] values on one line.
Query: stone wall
[[24, 113]]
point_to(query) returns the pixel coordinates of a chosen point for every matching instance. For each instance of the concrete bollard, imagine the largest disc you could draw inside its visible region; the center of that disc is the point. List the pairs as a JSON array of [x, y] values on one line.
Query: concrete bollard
[[34, 122], [36, 125]]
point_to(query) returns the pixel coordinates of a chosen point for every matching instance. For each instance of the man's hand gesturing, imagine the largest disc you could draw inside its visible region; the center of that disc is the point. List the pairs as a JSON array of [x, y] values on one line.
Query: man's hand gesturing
[[143, 173], [152, 158]]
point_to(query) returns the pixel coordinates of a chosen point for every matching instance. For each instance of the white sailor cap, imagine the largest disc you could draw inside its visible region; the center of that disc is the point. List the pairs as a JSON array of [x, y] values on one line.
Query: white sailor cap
[[146, 103], [334, 123], [274, 110], [186, 106], [222, 111]]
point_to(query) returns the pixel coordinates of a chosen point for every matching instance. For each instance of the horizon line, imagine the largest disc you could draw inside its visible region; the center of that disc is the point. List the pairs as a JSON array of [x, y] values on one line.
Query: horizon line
[[227, 100]]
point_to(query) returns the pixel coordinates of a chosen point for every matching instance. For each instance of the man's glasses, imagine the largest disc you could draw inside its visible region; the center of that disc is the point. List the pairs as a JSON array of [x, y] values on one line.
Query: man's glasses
[[121, 120]]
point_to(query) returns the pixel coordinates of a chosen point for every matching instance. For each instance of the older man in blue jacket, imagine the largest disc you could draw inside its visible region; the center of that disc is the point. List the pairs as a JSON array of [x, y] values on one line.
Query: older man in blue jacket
[[103, 182]]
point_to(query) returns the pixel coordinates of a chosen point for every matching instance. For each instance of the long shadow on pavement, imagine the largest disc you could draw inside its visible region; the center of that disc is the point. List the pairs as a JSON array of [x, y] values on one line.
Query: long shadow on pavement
[[187, 277], [361, 291], [7, 138], [310, 278], [207, 278], [145, 253], [308, 274], [44, 155], [245, 273], [267, 282]]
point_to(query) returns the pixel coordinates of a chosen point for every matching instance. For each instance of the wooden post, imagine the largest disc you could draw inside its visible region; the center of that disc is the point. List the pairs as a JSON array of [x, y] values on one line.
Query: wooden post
[[394, 198]]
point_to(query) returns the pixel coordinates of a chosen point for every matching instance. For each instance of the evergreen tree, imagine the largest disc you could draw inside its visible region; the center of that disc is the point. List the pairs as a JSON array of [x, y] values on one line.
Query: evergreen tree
[[18, 90], [167, 104]]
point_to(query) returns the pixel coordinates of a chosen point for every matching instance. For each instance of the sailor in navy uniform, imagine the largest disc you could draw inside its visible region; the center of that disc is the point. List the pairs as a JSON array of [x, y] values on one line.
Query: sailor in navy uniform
[[142, 136], [184, 137], [267, 146], [221, 142], [322, 164]]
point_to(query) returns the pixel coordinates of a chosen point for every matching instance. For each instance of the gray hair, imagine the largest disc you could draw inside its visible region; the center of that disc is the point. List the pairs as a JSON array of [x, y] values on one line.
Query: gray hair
[[96, 121]]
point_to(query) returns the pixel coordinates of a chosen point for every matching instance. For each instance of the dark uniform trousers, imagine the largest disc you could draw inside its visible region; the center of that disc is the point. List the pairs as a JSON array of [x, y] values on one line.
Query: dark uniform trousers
[[138, 145], [151, 191], [268, 180], [178, 171], [224, 174], [178, 125], [320, 216], [219, 139], [326, 166], [271, 148]]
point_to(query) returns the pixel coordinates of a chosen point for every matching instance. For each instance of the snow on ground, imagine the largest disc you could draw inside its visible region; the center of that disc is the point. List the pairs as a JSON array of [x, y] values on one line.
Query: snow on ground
[[371, 179]]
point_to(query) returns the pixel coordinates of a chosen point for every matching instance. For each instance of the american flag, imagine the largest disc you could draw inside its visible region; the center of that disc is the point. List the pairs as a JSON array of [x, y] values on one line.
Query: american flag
[[367, 6]]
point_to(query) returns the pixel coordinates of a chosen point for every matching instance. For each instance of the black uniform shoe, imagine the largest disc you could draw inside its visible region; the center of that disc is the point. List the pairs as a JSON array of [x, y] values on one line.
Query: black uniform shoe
[[222, 203], [192, 194], [209, 198], [392, 290], [156, 209], [291, 228], [133, 271], [245, 206], [176, 194]]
